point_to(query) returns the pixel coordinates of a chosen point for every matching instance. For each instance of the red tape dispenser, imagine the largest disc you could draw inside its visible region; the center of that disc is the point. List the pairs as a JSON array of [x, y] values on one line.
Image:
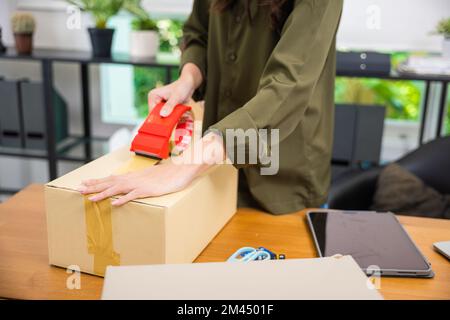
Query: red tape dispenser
[[153, 138]]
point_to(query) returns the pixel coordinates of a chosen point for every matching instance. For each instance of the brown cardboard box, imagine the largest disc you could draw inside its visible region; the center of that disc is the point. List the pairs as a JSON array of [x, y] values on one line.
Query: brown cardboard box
[[170, 229]]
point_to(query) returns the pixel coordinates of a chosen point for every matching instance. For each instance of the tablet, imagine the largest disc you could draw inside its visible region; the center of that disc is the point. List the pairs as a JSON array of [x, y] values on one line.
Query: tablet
[[377, 242]]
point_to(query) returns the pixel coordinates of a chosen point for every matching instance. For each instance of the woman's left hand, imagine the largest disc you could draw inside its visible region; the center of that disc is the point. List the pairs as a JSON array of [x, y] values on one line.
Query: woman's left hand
[[150, 182]]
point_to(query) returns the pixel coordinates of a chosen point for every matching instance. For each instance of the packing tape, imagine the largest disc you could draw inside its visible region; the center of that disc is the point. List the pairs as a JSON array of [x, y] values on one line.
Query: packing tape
[[136, 163], [99, 234], [98, 215], [182, 135]]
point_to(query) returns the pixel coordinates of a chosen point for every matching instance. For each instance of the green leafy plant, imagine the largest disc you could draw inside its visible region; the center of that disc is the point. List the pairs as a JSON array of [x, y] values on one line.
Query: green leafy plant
[[443, 28], [146, 79], [135, 8], [23, 23], [144, 24], [101, 10], [142, 20], [171, 33], [401, 98]]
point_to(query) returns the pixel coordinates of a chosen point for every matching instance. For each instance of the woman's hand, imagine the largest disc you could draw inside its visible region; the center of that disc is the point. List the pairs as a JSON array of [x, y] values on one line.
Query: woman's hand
[[151, 182], [177, 92]]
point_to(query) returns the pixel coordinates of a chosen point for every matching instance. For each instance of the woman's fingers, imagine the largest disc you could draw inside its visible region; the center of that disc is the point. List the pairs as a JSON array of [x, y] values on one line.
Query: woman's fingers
[[94, 188], [175, 93], [93, 182], [135, 194], [90, 182], [158, 95], [153, 99], [170, 105], [110, 192]]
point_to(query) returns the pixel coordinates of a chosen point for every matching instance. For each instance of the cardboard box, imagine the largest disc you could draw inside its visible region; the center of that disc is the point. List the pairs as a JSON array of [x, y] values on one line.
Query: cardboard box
[[170, 229]]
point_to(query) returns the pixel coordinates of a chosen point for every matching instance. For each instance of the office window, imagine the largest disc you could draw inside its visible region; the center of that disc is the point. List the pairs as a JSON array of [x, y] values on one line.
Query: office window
[[403, 100], [124, 88], [148, 78]]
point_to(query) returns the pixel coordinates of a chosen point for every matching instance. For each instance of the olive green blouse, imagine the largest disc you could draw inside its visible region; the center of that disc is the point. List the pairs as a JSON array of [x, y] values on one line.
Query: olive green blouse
[[256, 77]]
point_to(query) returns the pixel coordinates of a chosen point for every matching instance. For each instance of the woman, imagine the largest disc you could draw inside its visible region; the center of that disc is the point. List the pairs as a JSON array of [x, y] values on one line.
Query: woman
[[259, 65]]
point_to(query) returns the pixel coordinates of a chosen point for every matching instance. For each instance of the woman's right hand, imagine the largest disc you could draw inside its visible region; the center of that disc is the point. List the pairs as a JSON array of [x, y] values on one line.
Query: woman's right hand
[[178, 92]]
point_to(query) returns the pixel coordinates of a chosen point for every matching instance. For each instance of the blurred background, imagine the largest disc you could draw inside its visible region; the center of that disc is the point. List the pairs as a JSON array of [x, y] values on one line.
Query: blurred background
[[400, 29]]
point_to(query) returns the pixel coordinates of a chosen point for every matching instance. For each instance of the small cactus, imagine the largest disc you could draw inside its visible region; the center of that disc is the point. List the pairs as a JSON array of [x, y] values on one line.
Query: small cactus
[[23, 23]]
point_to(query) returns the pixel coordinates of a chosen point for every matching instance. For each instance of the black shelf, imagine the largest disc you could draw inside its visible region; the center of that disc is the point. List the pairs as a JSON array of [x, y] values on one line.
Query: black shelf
[[83, 57], [71, 149], [23, 153], [122, 58], [74, 150], [8, 191], [394, 75]]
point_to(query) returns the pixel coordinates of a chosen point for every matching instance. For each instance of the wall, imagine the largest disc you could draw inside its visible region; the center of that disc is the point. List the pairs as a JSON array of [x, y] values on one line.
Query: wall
[[366, 24], [392, 24]]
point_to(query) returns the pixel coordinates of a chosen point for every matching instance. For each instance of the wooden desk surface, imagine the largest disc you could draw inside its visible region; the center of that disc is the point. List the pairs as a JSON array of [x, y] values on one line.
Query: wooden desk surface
[[25, 273]]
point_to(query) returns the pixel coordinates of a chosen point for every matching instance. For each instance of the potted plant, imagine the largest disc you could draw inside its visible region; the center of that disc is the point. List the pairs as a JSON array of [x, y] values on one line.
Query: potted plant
[[144, 38], [443, 28], [101, 10], [23, 26]]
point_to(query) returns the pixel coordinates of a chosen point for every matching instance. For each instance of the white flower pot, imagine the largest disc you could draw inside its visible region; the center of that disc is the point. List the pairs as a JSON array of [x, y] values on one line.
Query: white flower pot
[[144, 44], [446, 48]]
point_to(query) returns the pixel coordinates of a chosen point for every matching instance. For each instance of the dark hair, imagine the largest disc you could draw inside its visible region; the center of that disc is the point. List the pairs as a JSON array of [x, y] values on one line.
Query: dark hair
[[279, 9]]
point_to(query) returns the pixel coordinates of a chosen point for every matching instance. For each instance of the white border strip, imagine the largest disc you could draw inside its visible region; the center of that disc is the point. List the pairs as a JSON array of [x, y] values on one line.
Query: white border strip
[[42, 5], [171, 7]]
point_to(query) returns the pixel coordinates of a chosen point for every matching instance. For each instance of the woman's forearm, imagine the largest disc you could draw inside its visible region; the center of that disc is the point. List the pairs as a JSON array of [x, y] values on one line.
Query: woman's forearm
[[192, 74]]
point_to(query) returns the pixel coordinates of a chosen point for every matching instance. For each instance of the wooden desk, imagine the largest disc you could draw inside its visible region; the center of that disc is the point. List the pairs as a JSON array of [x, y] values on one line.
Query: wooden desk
[[25, 273]]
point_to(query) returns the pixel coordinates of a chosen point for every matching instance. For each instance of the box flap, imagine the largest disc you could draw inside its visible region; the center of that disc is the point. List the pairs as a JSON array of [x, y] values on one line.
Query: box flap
[[107, 165]]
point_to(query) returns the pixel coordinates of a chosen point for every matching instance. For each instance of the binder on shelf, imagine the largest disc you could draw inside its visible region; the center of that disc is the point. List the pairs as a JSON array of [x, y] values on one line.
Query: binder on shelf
[[11, 126], [32, 97]]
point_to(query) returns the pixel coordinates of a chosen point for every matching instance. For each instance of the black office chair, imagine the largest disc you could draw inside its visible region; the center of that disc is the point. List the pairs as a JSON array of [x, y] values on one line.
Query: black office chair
[[354, 190]]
